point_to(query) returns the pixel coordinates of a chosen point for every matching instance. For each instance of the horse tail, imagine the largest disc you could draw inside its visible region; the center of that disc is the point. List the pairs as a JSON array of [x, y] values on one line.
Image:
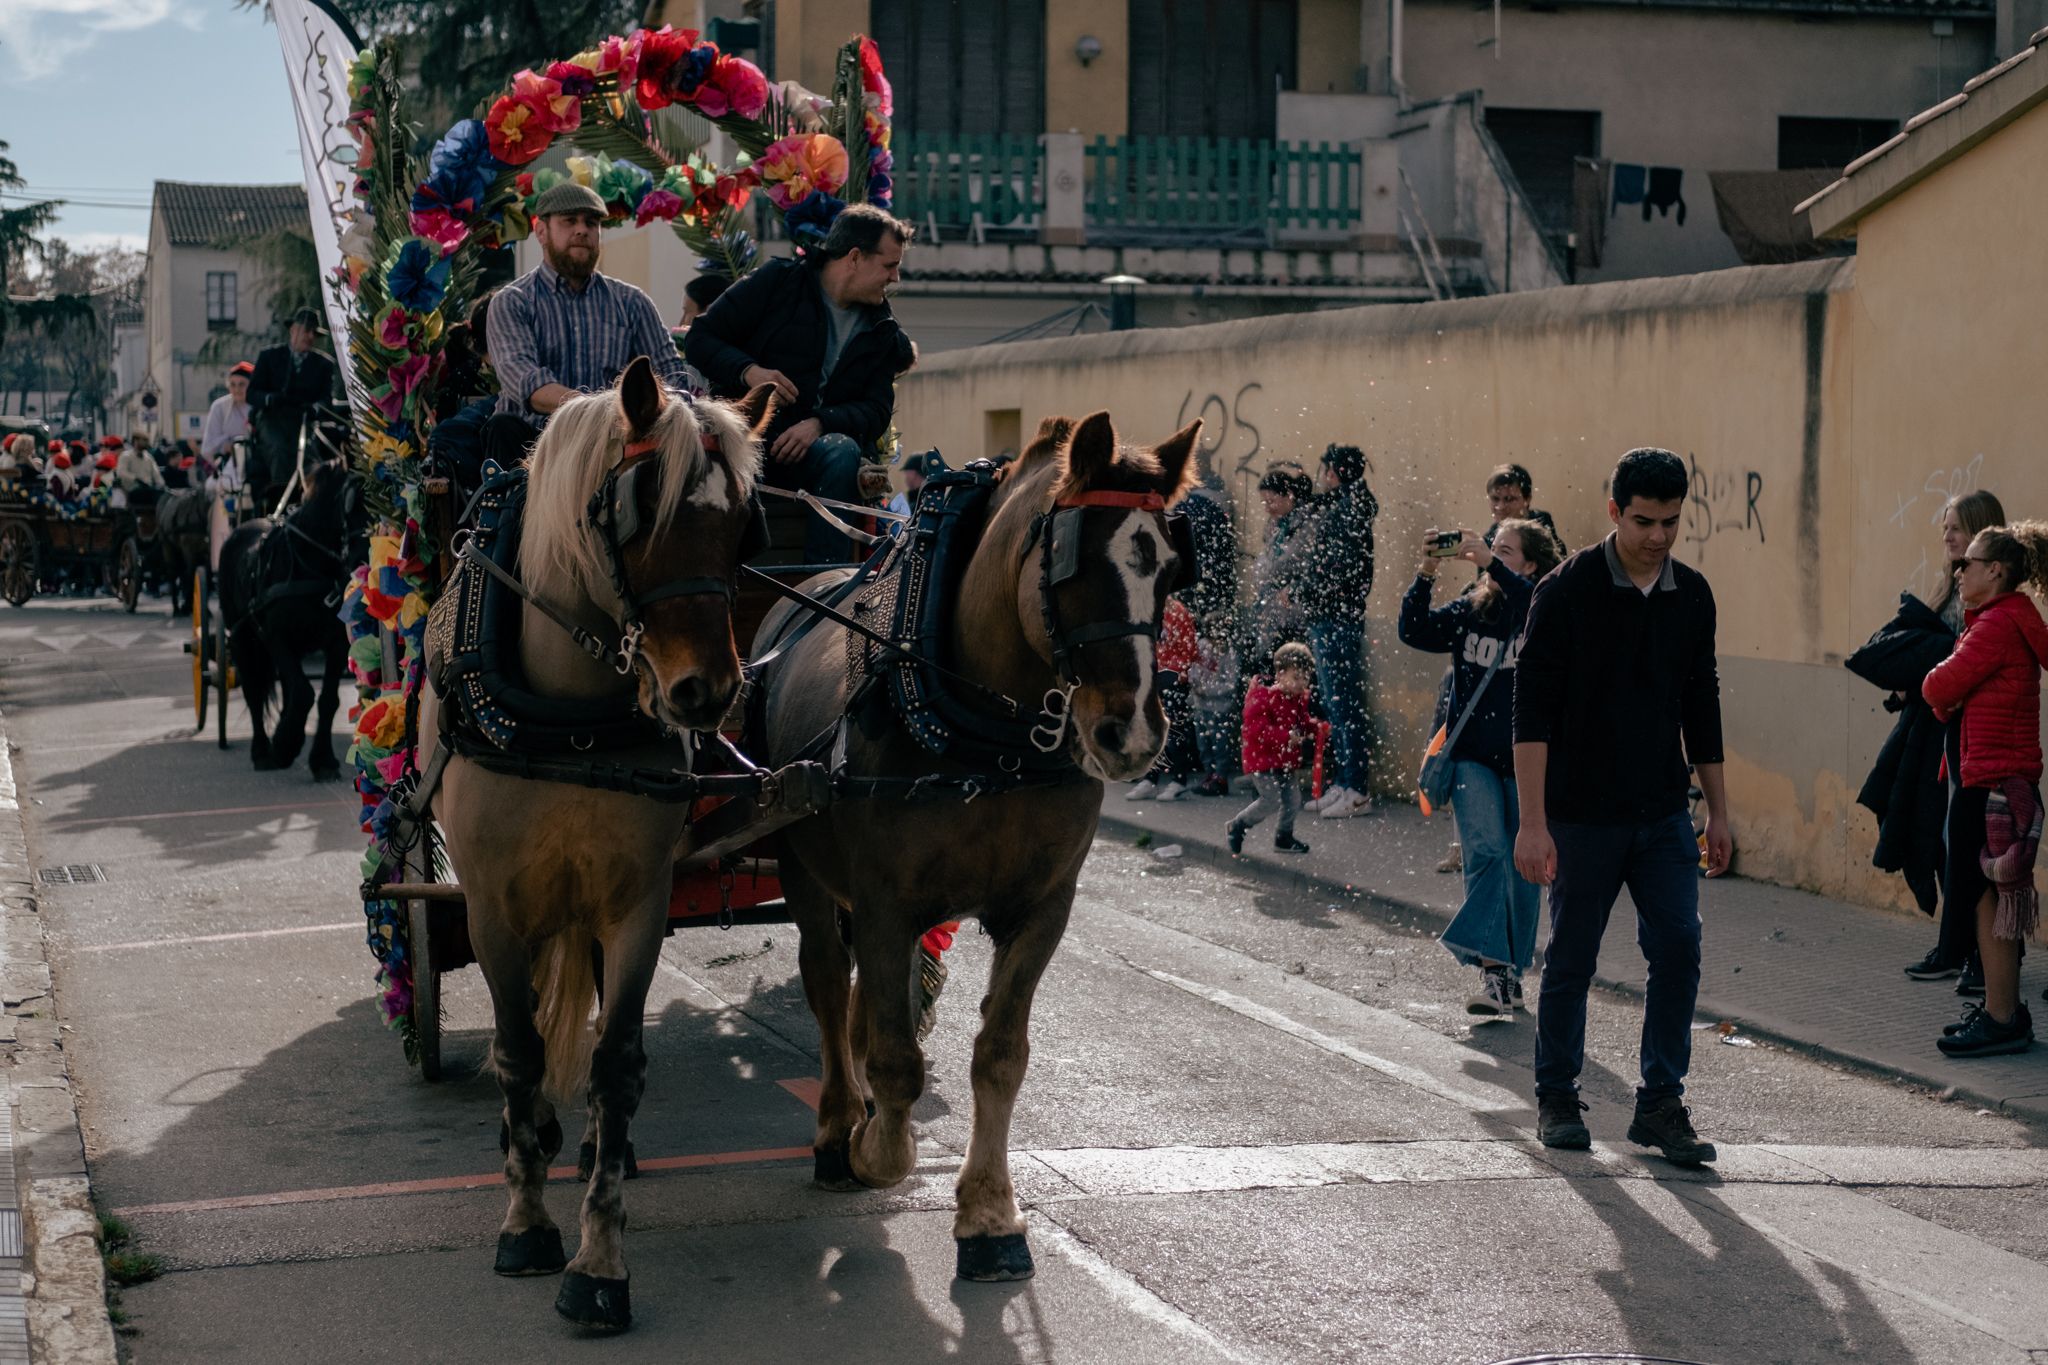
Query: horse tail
[[565, 980]]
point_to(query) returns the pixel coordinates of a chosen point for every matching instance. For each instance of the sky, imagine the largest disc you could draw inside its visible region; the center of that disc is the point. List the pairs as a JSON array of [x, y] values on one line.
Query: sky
[[102, 98]]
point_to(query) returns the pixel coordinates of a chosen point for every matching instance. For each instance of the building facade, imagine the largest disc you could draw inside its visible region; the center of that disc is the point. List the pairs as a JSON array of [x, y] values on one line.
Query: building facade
[[200, 287]]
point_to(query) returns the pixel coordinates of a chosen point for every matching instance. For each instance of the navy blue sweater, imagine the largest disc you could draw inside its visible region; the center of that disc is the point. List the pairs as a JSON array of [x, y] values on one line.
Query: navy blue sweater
[[1474, 641]]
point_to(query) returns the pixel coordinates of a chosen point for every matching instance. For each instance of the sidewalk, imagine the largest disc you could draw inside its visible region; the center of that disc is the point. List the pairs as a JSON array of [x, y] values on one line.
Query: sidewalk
[[1818, 974]]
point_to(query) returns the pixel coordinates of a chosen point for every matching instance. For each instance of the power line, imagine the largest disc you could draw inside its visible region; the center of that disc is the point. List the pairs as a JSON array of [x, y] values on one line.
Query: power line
[[76, 203]]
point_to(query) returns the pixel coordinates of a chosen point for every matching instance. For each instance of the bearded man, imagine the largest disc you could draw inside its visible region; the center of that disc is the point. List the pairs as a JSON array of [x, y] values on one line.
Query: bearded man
[[562, 328]]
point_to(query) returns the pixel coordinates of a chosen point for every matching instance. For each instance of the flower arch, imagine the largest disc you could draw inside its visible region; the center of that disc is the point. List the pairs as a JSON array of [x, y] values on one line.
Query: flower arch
[[638, 110]]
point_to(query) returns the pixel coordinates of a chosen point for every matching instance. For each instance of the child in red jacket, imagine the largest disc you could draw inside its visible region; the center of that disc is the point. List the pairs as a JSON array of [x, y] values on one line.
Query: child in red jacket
[[1276, 723], [1994, 679]]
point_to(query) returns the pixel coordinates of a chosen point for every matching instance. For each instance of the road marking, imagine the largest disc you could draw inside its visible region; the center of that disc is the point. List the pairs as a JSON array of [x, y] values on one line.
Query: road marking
[[1129, 1291], [68, 823], [356, 926], [806, 1088], [446, 1184]]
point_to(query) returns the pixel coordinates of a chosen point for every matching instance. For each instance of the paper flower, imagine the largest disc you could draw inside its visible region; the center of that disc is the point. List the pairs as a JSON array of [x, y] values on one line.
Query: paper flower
[[690, 71], [575, 80], [734, 85], [872, 80], [416, 276], [809, 221], [558, 112], [796, 166], [619, 183], [662, 204], [649, 56], [391, 328], [459, 172], [518, 132], [441, 228], [408, 373]]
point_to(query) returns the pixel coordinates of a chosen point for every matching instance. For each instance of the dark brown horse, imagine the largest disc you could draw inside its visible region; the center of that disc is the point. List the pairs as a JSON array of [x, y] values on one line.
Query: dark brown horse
[[1010, 858]]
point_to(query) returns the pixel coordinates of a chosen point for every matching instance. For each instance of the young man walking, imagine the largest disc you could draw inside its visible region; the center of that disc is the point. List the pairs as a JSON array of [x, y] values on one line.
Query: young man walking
[[1616, 669]]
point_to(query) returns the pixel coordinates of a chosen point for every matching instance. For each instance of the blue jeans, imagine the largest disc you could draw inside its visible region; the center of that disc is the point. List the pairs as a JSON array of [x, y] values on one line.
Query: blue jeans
[[831, 469], [1497, 922], [1659, 863], [1339, 647]]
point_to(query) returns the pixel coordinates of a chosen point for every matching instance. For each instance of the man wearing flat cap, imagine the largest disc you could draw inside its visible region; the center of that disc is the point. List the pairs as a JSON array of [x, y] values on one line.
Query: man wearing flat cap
[[286, 385], [562, 328]]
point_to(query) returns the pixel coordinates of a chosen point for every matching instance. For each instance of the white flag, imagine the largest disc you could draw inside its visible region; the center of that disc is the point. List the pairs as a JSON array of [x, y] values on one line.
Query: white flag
[[318, 46]]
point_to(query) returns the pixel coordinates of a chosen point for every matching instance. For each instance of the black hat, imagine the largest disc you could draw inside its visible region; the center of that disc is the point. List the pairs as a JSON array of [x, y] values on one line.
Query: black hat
[[308, 318]]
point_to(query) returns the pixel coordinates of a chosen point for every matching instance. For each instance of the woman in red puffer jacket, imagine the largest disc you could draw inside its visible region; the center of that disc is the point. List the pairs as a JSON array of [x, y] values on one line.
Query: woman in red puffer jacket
[[1994, 679]]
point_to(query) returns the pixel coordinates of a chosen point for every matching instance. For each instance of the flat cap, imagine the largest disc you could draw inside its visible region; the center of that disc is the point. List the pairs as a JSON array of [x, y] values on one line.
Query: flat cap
[[568, 197]]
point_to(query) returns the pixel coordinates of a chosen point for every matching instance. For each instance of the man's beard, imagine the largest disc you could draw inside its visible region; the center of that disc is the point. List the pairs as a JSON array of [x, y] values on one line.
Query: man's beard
[[570, 267]]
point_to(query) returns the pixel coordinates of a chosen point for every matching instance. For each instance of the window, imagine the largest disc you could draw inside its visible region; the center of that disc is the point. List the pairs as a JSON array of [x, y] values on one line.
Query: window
[[964, 68], [220, 300], [1542, 146], [1200, 68], [1829, 144]]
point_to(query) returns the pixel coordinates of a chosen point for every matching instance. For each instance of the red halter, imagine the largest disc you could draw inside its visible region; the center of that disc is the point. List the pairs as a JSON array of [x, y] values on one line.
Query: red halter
[[1138, 502]]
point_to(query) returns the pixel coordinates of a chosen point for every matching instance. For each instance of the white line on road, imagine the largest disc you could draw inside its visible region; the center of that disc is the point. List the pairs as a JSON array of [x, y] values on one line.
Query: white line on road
[[356, 925], [1130, 1292]]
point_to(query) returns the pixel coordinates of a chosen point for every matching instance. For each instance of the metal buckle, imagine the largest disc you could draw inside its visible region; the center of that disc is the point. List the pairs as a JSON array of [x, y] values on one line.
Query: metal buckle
[[629, 649], [1056, 710]]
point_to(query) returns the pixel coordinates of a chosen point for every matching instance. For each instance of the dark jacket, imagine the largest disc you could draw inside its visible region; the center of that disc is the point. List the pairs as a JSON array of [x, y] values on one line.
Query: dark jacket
[[1339, 560], [1474, 642], [1215, 556], [775, 317], [1905, 790], [1611, 678], [279, 400]]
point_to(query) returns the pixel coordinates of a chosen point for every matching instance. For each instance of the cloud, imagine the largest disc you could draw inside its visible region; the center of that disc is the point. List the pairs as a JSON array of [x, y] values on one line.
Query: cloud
[[42, 36]]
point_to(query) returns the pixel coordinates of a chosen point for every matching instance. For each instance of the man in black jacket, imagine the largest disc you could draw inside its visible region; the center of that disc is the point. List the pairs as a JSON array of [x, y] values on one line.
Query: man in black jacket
[[289, 383], [1332, 596], [819, 329], [1617, 667]]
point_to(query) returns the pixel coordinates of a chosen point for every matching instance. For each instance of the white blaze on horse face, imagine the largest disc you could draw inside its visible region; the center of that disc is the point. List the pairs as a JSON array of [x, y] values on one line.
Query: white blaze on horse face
[[710, 490], [1138, 553]]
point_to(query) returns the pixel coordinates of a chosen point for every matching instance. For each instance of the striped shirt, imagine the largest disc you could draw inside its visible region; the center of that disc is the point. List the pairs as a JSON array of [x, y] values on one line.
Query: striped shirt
[[543, 332]]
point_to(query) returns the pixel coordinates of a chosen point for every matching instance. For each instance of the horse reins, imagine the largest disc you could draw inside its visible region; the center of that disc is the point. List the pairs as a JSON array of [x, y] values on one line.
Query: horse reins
[[1068, 643], [602, 516]]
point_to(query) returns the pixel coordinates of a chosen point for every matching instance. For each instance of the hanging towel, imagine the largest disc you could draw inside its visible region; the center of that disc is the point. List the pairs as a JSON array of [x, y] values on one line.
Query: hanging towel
[[1630, 184], [1664, 192]]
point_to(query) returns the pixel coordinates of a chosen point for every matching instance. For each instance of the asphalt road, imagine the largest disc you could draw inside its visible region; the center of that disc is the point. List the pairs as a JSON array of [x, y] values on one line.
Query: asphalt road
[[1257, 1128]]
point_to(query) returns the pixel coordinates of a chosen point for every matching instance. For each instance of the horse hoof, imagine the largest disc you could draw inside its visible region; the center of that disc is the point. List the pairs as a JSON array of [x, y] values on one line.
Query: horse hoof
[[599, 1304], [832, 1169], [536, 1251], [994, 1258], [327, 772]]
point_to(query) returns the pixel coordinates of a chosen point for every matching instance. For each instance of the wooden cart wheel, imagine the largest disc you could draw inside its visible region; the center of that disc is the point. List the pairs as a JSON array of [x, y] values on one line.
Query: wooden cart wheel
[[17, 563], [223, 673], [197, 647], [418, 865], [128, 573]]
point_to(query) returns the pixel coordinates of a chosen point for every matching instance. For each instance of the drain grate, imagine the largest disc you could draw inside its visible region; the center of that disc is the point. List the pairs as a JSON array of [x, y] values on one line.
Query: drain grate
[[72, 874]]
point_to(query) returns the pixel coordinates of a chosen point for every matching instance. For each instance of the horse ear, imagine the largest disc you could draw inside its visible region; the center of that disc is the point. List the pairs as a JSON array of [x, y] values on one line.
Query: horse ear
[[757, 409], [1053, 431], [1176, 455], [640, 397], [1092, 450]]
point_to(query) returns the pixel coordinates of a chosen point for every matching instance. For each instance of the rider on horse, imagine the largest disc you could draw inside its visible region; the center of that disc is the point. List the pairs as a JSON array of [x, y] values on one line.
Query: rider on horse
[[819, 329]]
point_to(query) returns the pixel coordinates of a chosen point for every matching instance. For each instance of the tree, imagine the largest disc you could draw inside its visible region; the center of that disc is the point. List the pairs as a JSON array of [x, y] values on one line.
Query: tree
[[33, 310], [462, 51]]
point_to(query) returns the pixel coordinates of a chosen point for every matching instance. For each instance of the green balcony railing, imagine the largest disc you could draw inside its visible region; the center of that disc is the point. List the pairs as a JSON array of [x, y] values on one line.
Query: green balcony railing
[[955, 180], [1224, 184]]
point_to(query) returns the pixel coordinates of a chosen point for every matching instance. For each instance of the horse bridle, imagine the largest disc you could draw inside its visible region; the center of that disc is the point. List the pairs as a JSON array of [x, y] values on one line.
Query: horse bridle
[[614, 513], [1060, 529]]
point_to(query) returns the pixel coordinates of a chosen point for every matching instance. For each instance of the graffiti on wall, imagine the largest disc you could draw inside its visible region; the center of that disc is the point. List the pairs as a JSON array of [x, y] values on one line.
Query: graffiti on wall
[[1230, 441], [1920, 510], [1718, 502]]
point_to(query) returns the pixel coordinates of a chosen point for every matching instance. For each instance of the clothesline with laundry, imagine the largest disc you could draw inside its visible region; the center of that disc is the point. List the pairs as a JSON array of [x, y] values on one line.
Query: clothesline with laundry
[[1654, 187]]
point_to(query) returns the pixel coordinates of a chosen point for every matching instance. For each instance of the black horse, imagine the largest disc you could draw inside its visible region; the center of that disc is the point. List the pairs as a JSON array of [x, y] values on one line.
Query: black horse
[[280, 586]]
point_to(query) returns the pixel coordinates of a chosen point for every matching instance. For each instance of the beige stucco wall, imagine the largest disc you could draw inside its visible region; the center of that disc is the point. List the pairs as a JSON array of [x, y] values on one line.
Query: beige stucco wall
[[808, 36], [1326, 58], [1755, 376], [1697, 89], [1093, 100]]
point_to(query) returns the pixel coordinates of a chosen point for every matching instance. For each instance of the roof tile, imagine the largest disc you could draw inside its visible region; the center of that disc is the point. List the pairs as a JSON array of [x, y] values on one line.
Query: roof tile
[[200, 215]]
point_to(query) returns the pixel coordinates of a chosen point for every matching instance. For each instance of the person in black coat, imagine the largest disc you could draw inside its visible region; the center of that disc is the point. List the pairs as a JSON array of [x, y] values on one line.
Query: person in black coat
[[289, 383], [1904, 790], [819, 330]]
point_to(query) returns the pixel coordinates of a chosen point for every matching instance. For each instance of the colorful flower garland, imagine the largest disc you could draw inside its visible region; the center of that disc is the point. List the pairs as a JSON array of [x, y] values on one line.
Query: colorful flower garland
[[411, 259]]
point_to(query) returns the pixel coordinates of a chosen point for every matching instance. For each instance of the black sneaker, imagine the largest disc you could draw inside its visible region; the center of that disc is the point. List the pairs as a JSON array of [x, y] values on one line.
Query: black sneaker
[[1515, 990], [1287, 843], [1235, 837], [1970, 1013], [1495, 998], [1972, 983], [1666, 1124], [1934, 967], [1558, 1123], [1983, 1036]]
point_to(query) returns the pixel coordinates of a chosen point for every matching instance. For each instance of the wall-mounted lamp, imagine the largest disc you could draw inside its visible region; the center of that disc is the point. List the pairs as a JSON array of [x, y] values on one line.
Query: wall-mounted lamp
[[1087, 47], [1123, 301]]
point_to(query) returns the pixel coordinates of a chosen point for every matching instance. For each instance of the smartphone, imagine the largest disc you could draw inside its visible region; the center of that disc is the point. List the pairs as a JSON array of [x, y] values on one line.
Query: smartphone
[[1445, 544]]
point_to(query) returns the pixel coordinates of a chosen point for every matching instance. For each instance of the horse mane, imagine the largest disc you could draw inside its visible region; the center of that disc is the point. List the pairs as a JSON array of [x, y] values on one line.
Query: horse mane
[[1133, 470], [582, 442]]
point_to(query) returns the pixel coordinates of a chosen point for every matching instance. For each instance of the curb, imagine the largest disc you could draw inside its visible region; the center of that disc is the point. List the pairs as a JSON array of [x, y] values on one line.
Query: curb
[[53, 1287], [1383, 905]]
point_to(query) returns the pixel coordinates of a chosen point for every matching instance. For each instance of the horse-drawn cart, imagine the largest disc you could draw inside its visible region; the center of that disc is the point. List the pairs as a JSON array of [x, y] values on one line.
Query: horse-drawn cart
[[45, 543]]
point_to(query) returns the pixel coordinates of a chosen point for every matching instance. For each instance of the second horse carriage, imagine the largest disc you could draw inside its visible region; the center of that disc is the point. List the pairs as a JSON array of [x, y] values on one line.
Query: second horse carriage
[[47, 543]]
